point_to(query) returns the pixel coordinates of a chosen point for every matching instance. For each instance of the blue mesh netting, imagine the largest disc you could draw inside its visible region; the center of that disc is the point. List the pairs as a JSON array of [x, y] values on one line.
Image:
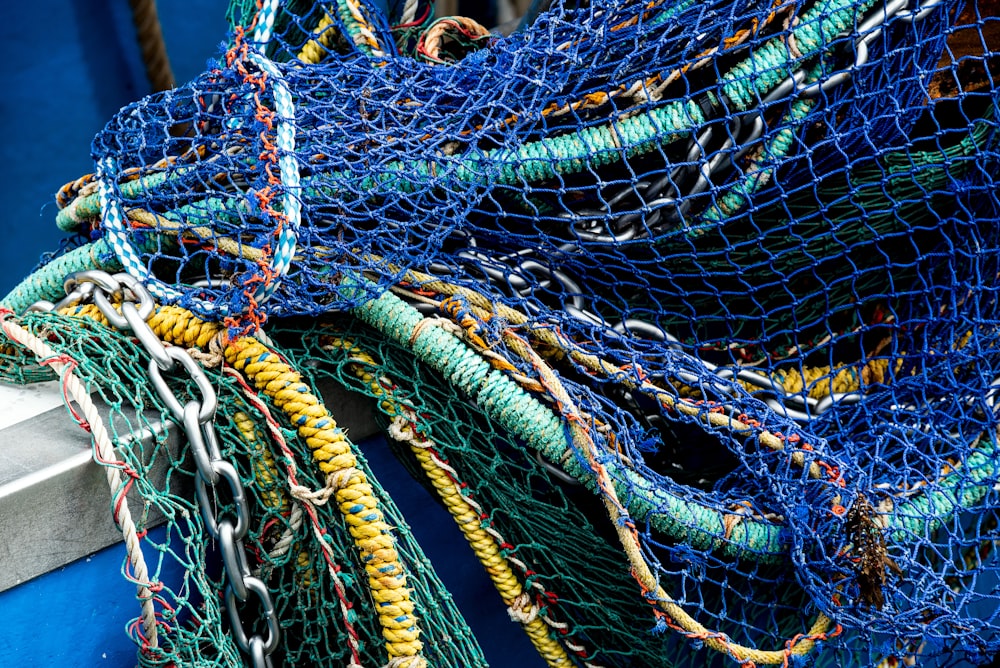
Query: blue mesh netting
[[774, 223]]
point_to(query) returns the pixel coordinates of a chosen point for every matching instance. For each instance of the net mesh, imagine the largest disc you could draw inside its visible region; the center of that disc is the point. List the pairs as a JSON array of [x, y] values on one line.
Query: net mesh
[[689, 309], [308, 557]]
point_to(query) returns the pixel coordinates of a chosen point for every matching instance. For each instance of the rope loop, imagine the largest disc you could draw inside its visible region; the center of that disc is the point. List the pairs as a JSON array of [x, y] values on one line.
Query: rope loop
[[273, 265]]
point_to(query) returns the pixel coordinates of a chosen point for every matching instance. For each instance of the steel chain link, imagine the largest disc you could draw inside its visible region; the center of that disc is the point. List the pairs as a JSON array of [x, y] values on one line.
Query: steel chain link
[[215, 476], [647, 206]]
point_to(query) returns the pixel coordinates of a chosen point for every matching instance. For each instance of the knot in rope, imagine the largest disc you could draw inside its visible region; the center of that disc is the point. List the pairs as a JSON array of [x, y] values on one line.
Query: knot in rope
[[522, 610]]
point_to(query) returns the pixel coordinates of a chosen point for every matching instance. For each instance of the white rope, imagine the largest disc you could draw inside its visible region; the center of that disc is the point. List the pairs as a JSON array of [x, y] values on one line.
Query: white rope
[[522, 609], [104, 452], [409, 11]]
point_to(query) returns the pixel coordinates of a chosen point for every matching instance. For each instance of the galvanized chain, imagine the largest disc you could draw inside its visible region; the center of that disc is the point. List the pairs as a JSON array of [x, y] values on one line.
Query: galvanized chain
[[649, 206], [215, 476], [641, 209]]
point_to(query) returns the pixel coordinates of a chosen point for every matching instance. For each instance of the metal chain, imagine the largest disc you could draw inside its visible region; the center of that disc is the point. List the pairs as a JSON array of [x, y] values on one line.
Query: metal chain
[[648, 206], [215, 476]]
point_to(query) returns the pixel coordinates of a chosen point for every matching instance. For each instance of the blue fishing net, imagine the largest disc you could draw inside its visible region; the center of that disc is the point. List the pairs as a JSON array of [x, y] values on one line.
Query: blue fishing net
[[745, 252]]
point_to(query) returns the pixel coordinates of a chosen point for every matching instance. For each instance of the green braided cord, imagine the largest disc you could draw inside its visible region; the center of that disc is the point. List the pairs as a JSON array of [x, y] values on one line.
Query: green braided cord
[[68, 219], [664, 14], [351, 28], [523, 415], [738, 195], [591, 147], [47, 283], [683, 520], [925, 513], [770, 64]]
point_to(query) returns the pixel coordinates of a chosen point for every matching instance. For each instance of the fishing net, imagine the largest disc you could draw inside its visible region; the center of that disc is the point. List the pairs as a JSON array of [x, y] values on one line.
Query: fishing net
[[686, 312]]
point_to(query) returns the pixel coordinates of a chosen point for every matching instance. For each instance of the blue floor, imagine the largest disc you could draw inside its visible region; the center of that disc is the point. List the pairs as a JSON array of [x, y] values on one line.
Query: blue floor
[[68, 66]]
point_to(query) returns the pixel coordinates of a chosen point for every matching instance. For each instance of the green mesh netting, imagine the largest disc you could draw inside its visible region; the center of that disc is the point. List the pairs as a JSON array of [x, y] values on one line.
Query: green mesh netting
[[307, 559]]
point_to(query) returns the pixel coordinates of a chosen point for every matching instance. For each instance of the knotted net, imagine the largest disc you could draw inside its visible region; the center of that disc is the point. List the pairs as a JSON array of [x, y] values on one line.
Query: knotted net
[[687, 311]]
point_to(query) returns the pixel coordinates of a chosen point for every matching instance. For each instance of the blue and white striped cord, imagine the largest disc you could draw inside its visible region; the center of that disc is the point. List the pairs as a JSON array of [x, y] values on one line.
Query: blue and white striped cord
[[288, 166], [113, 219], [265, 23], [289, 170], [113, 222]]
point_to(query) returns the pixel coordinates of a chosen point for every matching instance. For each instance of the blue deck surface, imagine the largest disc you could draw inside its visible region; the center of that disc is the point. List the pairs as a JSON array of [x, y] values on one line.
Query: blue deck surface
[[68, 67]]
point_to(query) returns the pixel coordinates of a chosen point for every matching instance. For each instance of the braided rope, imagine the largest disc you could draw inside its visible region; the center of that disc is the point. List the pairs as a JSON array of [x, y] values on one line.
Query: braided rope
[[104, 454], [264, 22], [409, 12], [354, 494], [316, 48], [468, 515], [154, 49], [286, 542], [522, 415], [521, 606]]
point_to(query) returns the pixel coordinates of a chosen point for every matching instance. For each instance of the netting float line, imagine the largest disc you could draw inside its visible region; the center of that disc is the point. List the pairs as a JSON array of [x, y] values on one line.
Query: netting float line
[[687, 312]]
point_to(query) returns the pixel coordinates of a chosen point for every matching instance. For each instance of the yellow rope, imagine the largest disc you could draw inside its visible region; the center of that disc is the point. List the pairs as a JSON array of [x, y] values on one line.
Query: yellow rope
[[318, 47], [266, 479], [823, 381], [468, 520], [354, 495], [182, 328], [172, 324], [331, 450], [629, 539], [264, 466]]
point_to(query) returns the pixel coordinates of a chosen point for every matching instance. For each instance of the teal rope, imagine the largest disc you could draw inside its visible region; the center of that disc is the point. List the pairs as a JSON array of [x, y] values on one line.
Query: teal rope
[[68, 219], [523, 415], [926, 513], [681, 519], [591, 147], [47, 283], [351, 27], [738, 195]]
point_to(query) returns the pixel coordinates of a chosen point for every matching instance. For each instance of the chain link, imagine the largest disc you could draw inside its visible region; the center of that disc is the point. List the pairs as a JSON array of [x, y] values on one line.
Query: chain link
[[217, 482], [651, 206], [641, 209]]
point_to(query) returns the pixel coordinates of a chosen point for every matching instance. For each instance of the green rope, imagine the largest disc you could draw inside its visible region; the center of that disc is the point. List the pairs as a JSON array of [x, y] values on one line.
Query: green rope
[[738, 195], [588, 148], [47, 283], [682, 519]]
